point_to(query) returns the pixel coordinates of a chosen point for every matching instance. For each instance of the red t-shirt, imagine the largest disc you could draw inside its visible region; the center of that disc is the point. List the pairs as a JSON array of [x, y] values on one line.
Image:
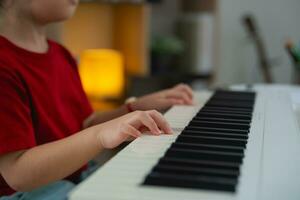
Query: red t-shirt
[[41, 98]]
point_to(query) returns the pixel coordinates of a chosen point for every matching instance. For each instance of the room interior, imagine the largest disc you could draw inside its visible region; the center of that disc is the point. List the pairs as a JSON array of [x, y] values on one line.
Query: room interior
[[199, 42], [240, 140]]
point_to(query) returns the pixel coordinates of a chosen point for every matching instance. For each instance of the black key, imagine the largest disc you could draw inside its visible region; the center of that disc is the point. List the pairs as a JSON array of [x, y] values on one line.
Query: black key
[[227, 109], [235, 94], [183, 162], [230, 104], [191, 181], [204, 155], [231, 97], [249, 110], [206, 147], [211, 140], [215, 119], [171, 169], [223, 115], [218, 130], [213, 134], [227, 125]]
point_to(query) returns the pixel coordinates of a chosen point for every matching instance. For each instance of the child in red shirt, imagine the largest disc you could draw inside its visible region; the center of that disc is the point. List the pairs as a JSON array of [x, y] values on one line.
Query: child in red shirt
[[48, 130]]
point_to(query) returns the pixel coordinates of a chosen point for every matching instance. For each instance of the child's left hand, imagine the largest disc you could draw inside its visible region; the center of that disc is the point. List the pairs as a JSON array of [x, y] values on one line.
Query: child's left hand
[[181, 94]]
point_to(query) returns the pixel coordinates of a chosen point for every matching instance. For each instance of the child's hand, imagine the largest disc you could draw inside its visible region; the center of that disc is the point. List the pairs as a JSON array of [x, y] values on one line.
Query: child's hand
[[181, 94], [114, 132]]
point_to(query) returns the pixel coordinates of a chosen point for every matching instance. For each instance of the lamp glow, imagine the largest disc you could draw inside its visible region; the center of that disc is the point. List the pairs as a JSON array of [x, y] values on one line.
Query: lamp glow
[[102, 73]]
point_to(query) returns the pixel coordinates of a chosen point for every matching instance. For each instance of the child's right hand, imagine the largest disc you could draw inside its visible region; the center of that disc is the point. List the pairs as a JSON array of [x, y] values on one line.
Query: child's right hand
[[114, 132]]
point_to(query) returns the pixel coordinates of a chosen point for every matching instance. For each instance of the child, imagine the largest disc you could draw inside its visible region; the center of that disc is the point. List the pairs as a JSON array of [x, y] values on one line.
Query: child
[[47, 129]]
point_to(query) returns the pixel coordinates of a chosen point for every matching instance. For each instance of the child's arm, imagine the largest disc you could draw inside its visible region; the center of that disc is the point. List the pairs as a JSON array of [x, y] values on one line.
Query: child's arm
[[180, 94], [29, 169]]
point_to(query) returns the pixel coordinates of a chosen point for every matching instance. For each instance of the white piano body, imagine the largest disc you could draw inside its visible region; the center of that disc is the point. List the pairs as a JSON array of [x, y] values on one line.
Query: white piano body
[[270, 169]]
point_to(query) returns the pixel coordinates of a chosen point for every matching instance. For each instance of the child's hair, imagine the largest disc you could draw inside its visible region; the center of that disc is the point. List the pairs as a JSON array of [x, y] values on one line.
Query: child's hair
[[1, 6]]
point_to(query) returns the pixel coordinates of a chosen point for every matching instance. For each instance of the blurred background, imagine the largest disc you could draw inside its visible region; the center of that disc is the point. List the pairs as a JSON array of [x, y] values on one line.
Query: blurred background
[[131, 47]]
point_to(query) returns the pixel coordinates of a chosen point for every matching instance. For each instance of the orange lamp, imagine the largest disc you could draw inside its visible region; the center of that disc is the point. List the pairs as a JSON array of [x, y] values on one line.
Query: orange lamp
[[102, 73]]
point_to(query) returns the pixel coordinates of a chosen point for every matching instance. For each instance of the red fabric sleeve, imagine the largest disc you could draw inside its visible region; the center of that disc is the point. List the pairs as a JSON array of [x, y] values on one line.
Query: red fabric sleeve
[[16, 129]]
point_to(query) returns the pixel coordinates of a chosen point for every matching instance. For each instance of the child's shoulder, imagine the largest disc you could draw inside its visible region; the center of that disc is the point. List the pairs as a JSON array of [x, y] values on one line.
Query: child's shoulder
[[7, 57], [58, 46], [61, 49]]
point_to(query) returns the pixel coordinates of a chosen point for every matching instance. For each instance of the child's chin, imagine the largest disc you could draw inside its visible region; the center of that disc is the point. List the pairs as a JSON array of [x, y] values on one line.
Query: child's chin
[[65, 17], [57, 18], [67, 14]]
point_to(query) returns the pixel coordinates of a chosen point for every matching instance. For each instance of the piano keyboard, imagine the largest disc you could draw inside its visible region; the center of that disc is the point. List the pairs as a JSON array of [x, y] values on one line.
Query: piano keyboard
[[209, 147], [209, 151]]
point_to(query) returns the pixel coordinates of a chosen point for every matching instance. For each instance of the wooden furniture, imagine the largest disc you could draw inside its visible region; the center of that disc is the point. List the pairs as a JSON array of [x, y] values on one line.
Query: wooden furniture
[[123, 27]]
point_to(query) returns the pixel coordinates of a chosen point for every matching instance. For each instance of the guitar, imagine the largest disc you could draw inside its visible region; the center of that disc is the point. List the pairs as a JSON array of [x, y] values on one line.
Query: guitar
[[251, 27]]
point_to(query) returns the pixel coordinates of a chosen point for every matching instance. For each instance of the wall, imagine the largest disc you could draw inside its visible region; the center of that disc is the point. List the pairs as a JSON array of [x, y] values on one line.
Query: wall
[[90, 27], [278, 20], [123, 27], [164, 16]]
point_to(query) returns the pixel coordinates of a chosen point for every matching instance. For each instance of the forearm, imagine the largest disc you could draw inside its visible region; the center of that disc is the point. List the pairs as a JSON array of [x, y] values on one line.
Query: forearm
[[101, 117], [53, 161]]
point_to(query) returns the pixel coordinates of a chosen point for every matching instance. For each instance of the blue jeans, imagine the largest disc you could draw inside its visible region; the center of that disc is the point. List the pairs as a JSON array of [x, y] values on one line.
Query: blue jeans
[[54, 191], [58, 191]]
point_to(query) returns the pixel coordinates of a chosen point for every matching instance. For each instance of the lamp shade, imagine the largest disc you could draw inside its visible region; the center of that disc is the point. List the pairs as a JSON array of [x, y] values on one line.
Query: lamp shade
[[102, 73]]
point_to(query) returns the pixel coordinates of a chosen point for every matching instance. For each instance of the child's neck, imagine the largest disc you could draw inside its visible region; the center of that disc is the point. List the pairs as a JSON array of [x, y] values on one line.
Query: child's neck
[[24, 33]]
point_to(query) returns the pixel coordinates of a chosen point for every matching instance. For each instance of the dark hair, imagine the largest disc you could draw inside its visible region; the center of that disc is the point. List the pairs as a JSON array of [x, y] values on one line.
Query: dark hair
[[2, 4]]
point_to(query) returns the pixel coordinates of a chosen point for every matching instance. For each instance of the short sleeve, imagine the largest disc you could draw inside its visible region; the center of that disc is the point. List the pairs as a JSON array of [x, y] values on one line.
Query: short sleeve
[[85, 105], [16, 128]]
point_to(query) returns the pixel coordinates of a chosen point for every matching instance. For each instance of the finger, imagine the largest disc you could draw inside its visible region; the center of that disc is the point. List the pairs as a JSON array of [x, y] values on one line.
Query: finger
[[161, 121], [187, 89], [174, 101], [130, 138], [180, 95], [149, 122], [186, 98], [143, 129], [131, 131], [164, 104]]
